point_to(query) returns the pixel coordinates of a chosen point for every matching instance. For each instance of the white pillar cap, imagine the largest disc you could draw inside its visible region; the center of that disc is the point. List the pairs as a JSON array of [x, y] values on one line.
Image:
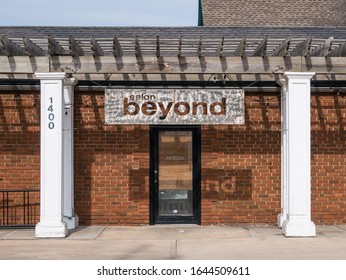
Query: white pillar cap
[[51, 76], [299, 75]]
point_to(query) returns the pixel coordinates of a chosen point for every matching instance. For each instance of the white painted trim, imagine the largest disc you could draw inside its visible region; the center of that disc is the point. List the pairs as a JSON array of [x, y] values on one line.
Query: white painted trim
[[282, 216], [69, 215], [51, 76]]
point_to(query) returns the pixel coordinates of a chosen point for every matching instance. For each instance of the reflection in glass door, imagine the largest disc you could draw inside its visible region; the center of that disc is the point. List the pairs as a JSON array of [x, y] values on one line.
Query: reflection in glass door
[[175, 171]]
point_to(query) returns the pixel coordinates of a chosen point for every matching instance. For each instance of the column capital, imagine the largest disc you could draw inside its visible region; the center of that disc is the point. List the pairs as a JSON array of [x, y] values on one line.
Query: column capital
[[282, 82], [51, 76], [298, 75], [70, 82]]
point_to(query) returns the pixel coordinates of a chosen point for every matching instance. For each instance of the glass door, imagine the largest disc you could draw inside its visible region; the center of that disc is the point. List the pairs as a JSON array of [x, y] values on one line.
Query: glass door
[[175, 173], [175, 178]]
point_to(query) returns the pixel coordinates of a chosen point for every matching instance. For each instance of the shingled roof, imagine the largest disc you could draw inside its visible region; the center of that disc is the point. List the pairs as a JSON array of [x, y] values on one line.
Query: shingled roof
[[274, 13]]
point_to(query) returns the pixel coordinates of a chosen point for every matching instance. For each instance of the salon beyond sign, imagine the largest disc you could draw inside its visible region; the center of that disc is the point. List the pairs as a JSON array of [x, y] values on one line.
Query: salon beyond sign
[[174, 106]]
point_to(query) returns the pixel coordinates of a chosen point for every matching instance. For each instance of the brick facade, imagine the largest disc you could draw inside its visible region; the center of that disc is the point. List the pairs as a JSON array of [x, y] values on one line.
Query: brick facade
[[111, 167], [240, 164], [328, 165], [19, 140], [274, 13], [19, 155]]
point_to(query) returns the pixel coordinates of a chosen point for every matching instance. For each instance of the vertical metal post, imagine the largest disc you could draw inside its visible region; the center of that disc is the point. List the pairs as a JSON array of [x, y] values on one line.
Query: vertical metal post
[[7, 208]]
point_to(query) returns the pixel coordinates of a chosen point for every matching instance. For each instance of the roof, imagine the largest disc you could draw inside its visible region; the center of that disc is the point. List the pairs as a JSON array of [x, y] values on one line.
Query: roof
[[274, 13], [173, 32]]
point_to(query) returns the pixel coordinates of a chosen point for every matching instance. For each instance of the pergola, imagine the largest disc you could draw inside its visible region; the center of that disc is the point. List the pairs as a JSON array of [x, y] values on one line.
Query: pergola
[[58, 57], [172, 56]]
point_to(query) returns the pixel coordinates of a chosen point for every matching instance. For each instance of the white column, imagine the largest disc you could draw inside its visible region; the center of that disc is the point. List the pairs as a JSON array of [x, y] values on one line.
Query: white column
[[296, 156], [69, 215], [52, 172], [282, 216]]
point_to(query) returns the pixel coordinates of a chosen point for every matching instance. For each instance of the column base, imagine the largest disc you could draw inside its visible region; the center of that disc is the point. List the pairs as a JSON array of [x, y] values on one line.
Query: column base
[[299, 228], [72, 223], [50, 230], [280, 220]]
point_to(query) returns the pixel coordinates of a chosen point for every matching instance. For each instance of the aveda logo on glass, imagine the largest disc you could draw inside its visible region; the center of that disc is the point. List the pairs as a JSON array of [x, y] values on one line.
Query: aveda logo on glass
[[168, 106]]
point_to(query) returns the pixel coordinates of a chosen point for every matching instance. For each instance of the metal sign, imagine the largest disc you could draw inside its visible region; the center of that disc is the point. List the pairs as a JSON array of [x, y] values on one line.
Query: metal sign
[[174, 106]]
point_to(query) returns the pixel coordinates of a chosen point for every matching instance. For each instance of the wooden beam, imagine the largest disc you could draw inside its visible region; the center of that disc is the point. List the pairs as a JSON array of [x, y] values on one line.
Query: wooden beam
[[175, 65], [174, 77], [340, 51], [282, 50], [180, 45], [302, 49], [240, 51], [117, 51], [158, 46], [24, 64], [95, 47], [10, 48], [171, 65], [322, 65], [199, 47], [261, 50], [219, 51], [31, 48], [138, 50], [2, 49], [54, 48], [169, 77], [324, 49], [75, 48]]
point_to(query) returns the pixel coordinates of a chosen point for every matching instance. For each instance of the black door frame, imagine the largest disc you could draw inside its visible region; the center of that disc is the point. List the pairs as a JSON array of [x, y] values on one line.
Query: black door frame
[[154, 196]]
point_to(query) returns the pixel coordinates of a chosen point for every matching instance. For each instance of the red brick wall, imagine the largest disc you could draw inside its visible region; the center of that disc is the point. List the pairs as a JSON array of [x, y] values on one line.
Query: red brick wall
[[19, 152], [240, 164], [328, 159], [111, 167], [19, 140]]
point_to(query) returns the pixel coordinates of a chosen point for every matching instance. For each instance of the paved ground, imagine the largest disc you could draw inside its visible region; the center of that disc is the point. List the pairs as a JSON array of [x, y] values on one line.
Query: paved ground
[[175, 242]]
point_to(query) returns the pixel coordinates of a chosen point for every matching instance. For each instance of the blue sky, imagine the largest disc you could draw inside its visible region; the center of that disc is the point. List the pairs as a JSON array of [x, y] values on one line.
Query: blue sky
[[99, 13]]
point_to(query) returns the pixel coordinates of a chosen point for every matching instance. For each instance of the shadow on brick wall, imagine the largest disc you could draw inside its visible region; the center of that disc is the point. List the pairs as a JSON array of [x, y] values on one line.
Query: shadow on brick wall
[[139, 184], [220, 184]]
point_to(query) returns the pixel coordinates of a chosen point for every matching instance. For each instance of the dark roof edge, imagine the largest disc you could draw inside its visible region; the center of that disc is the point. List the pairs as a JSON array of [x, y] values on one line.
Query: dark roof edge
[[321, 32]]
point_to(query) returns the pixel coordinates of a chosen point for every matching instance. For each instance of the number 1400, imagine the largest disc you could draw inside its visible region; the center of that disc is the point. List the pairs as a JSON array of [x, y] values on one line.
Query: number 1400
[[51, 115]]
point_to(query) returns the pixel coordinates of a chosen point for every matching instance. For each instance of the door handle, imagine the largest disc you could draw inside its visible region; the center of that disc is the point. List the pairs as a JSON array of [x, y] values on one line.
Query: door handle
[[155, 181]]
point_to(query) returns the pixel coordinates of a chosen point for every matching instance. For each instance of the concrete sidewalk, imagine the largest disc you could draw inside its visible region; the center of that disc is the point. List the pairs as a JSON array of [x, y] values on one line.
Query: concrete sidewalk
[[175, 242]]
